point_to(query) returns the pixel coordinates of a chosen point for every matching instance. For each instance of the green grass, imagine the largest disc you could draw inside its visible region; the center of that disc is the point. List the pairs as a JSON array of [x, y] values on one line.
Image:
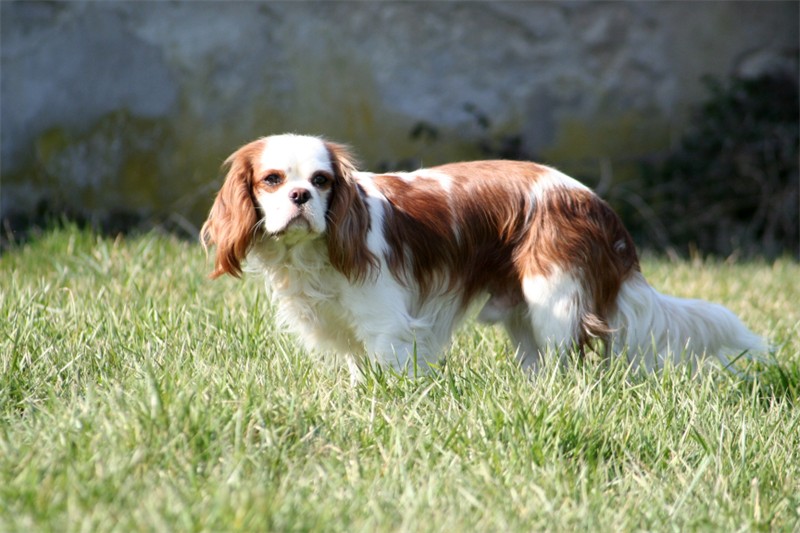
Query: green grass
[[137, 395]]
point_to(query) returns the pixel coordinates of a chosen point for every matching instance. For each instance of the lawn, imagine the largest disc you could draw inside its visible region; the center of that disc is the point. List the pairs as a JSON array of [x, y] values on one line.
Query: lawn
[[137, 395]]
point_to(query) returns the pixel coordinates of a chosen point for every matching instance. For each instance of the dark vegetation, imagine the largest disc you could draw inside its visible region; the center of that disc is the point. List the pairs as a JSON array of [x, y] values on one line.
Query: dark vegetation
[[731, 185]]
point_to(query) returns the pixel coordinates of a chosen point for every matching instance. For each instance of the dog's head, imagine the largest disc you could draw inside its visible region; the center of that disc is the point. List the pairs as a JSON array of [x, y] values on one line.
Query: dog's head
[[289, 187]]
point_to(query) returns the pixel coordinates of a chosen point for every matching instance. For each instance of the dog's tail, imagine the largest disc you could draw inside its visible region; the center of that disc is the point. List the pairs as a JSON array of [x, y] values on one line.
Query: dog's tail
[[655, 329]]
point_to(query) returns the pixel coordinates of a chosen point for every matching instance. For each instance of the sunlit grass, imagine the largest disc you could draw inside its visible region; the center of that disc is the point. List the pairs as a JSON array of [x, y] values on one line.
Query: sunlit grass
[[135, 394]]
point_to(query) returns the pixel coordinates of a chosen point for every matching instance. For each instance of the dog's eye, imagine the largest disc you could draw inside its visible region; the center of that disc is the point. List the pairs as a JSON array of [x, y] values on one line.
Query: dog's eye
[[319, 180], [272, 179]]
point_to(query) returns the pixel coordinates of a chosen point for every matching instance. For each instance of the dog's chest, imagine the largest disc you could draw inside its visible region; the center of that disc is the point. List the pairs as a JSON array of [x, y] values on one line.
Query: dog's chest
[[307, 291]]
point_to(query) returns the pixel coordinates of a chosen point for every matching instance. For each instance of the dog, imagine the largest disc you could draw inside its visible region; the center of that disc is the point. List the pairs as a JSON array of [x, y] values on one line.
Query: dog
[[382, 268]]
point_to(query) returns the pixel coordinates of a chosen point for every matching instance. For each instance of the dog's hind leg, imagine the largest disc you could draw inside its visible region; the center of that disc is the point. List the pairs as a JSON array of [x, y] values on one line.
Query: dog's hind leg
[[518, 326], [555, 313]]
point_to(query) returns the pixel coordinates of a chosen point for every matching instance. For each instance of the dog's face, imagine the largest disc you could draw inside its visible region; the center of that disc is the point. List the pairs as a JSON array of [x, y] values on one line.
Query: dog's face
[[289, 187], [293, 179]]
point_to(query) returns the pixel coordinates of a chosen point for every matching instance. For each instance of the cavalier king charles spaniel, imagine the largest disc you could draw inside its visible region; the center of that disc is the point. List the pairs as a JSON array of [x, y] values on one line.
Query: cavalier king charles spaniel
[[383, 267]]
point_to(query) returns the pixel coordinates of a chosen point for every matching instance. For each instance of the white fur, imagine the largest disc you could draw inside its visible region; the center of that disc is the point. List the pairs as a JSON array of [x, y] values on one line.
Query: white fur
[[444, 180], [554, 309], [552, 179], [653, 329]]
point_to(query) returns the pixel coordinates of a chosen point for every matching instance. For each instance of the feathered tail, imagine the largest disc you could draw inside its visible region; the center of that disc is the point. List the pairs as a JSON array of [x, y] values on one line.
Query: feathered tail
[[654, 328]]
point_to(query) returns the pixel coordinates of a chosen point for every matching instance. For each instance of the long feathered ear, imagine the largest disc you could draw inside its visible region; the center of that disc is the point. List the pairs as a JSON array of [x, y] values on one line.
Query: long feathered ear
[[233, 216], [348, 219]]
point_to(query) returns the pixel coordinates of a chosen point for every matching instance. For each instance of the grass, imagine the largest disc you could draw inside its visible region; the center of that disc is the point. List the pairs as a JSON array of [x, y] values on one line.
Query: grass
[[136, 395]]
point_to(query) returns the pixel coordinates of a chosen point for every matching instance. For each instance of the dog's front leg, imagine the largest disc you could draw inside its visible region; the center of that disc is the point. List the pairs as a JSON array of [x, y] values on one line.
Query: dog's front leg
[[400, 356], [356, 372]]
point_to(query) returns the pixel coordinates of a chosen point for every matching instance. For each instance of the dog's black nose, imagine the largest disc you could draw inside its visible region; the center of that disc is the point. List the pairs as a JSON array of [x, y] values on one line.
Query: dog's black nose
[[299, 196]]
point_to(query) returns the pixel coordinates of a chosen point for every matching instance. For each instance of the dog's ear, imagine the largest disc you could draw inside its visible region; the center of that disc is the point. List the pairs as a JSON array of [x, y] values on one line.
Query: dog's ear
[[348, 219], [233, 216]]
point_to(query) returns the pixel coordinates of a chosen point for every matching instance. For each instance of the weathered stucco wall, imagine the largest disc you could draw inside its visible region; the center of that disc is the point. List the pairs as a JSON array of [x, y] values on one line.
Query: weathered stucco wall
[[112, 108]]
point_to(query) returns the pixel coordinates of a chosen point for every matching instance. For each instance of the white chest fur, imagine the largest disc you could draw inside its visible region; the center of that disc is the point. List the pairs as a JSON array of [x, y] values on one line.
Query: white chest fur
[[307, 293]]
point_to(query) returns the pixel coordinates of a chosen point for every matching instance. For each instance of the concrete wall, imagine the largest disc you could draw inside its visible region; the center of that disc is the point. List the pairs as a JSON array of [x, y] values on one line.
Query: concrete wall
[[130, 107]]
